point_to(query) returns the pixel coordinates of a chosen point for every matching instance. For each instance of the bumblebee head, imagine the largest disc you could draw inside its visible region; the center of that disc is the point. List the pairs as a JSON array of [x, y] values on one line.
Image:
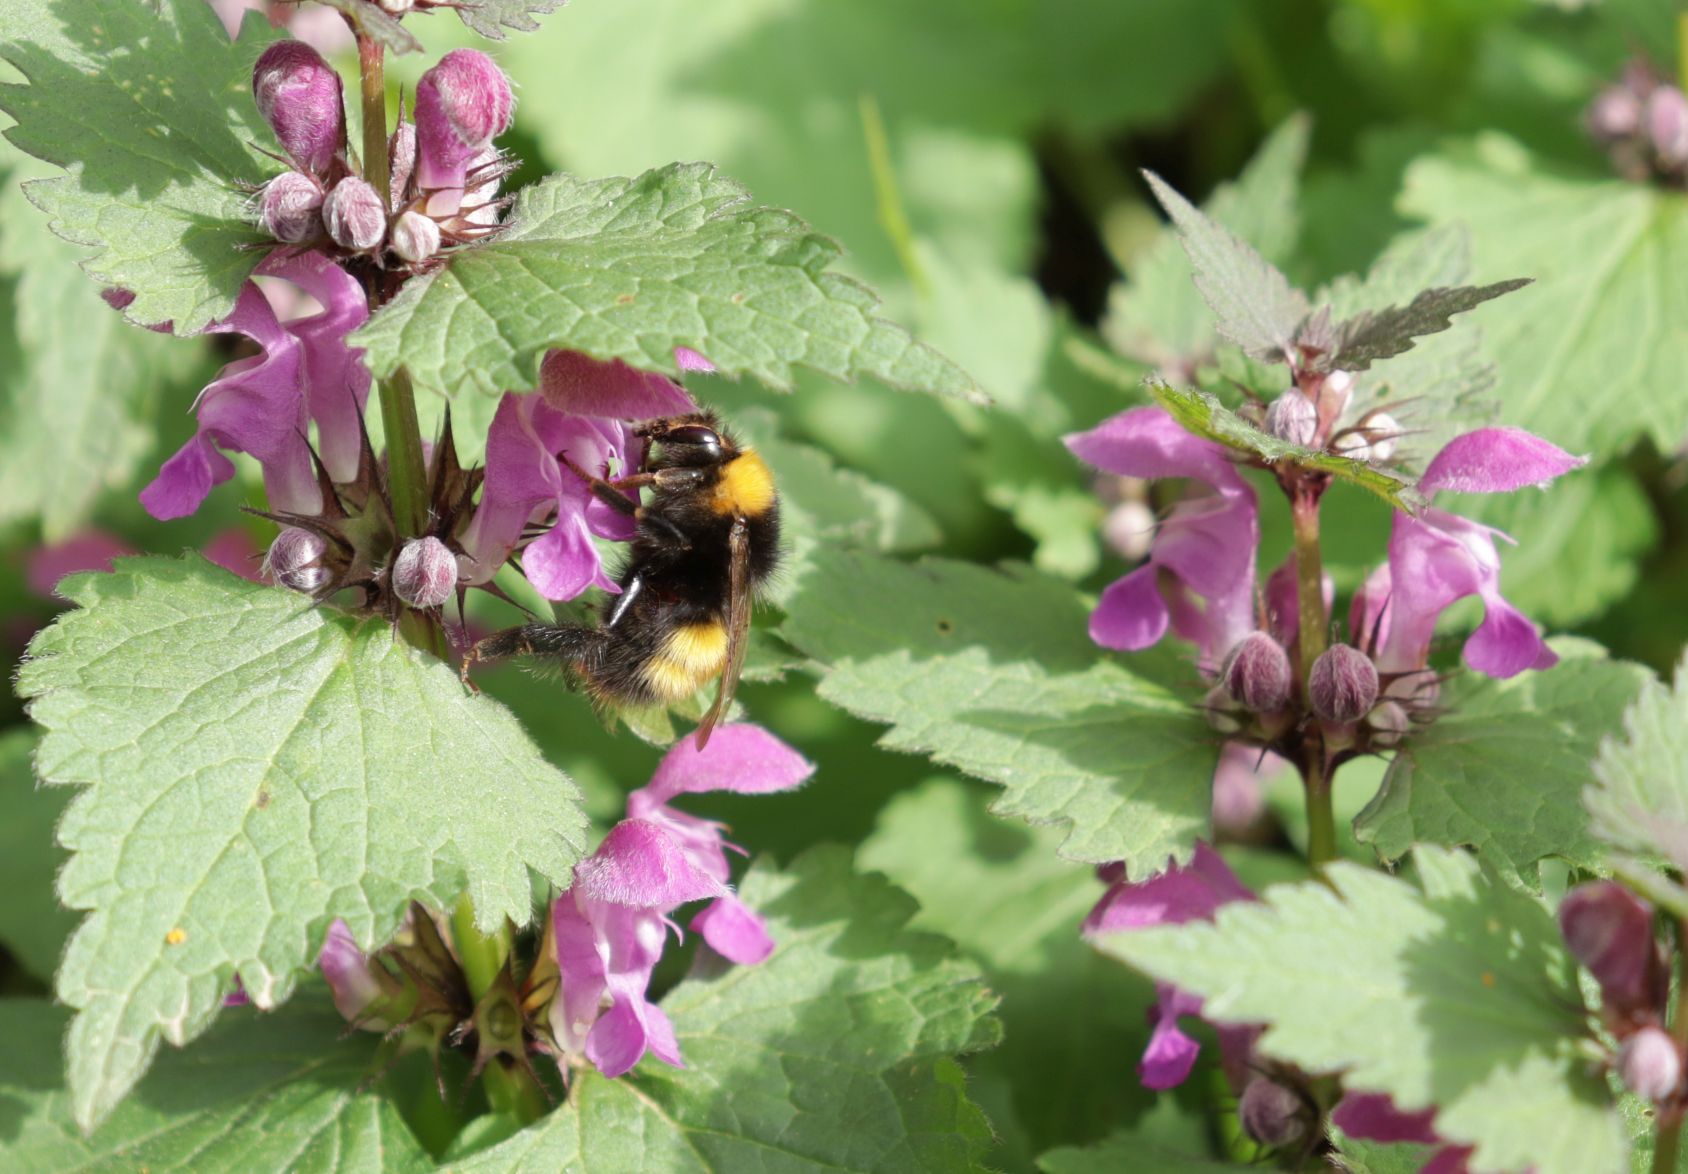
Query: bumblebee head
[[689, 440]]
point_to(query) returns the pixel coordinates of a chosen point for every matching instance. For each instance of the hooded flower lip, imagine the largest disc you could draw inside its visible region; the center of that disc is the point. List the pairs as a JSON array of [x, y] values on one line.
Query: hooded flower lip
[[526, 483], [1438, 557], [462, 104], [1183, 893], [254, 406], [1206, 544], [584, 386], [298, 93]]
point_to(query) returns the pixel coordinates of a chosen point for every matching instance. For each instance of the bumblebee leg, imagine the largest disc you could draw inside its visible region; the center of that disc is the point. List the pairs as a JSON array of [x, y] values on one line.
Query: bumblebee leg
[[611, 493]]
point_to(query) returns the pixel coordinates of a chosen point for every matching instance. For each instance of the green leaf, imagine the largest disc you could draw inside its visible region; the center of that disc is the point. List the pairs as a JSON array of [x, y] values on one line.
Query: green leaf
[[491, 17], [255, 768], [33, 926], [1129, 1154], [369, 20], [262, 1092], [1073, 1020], [149, 110], [1255, 305], [1588, 358], [1157, 316], [1502, 767], [78, 385], [1460, 996], [835, 1053], [1372, 335], [631, 269], [1202, 414], [1640, 800], [1373, 1157], [992, 671]]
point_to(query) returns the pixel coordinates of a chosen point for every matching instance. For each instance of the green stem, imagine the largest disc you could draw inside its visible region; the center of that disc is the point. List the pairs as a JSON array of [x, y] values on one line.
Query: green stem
[[510, 1089], [513, 1092], [1321, 816], [1309, 576], [407, 475], [1669, 1138], [372, 73]]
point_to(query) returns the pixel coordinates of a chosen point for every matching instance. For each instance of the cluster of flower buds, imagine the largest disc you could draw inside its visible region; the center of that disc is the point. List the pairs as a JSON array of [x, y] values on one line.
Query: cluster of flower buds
[[1609, 931], [1199, 576], [584, 997], [1643, 124], [1321, 412], [444, 172]]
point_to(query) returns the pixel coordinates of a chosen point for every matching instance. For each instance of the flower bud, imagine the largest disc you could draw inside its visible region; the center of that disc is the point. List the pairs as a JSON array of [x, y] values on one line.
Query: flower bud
[[355, 216], [1667, 125], [396, 7], [352, 979], [292, 207], [1270, 1113], [462, 104], [295, 560], [1343, 684], [1293, 417], [1257, 673], [298, 93], [425, 573], [1610, 931], [1222, 711], [1129, 529], [1388, 724], [1649, 1064], [1335, 393], [1614, 114], [415, 237]]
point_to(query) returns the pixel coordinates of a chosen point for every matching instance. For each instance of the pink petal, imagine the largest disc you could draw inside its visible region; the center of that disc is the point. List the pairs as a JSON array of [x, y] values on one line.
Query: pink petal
[[1238, 798], [1131, 613], [186, 479], [350, 982], [1167, 1061], [639, 864], [1374, 1117], [234, 550], [1190, 892], [562, 563], [90, 550], [1496, 460], [1148, 443], [740, 757], [584, 386], [1506, 643], [580, 965], [734, 931], [690, 360]]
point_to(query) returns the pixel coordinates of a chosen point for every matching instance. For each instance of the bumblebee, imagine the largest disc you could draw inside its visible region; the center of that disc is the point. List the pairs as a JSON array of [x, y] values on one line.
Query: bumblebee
[[706, 541]]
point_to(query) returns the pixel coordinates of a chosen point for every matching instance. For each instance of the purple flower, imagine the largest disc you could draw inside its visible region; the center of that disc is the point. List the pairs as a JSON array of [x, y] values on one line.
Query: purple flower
[[353, 980], [1438, 558], [1373, 1117], [525, 482], [260, 405], [87, 550], [611, 926], [1191, 892], [584, 386], [742, 758], [298, 93], [254, 406], [1205, 546]]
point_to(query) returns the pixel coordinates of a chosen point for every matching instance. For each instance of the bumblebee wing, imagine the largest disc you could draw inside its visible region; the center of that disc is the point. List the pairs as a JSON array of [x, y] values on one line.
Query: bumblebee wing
[[739, 604]]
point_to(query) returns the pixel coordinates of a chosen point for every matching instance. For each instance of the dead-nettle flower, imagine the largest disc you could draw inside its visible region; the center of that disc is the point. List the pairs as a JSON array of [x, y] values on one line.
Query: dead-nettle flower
[[1183, 893], [611, 926], [1610, 931], [1642, 121], [462, 104], [261, 405], [298, 93], [1373, 1116]]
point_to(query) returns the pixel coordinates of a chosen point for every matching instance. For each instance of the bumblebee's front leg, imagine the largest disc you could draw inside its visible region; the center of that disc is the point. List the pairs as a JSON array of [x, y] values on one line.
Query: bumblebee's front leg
[[568, 643]]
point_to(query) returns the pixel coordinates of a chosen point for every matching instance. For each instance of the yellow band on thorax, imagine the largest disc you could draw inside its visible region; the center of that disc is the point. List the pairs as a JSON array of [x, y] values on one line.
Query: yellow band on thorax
[[746, 486]]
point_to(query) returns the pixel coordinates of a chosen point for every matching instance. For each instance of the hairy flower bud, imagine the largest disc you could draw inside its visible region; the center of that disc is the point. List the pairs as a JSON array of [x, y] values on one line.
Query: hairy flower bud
[[1614, 114], [1610, 931], [298, 93], [396, 7], [1343, 684], [355, 215], [291, 208], [1257, 673], [1649, 1064], [1270, 1113], [1293, 417], [401, 159], [1667, 125], [1388, 724], [425, 572], [294, 560], [462, 104], [1335, 393], [415, 237]]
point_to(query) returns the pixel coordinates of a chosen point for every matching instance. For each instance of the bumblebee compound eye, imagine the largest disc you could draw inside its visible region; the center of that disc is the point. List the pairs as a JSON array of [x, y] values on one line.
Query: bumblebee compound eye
[[697, 434]]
